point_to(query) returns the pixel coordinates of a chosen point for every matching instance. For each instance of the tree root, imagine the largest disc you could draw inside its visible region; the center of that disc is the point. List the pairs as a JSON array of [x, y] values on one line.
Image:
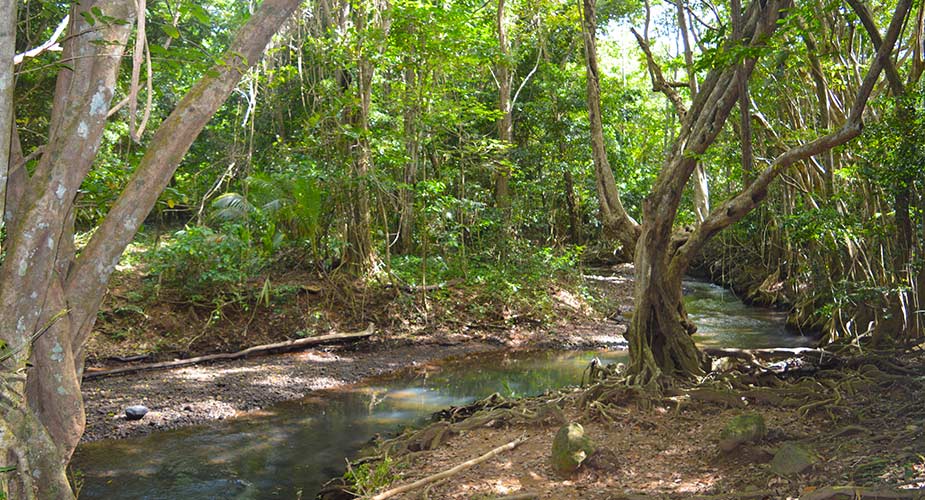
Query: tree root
[[857, 492]]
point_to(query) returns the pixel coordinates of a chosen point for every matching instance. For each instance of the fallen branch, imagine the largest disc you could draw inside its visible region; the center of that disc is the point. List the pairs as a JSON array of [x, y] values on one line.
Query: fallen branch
[[260, 349], [449, 472], [428, 288], [858, 492]]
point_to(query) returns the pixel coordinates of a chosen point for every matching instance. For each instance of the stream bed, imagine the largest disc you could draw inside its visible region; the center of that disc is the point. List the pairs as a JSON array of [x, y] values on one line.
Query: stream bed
[[289, 450]]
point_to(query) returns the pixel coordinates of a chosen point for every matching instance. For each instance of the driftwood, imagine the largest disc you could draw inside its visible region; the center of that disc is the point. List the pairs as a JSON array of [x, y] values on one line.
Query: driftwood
[[449, 472], [260, 349]]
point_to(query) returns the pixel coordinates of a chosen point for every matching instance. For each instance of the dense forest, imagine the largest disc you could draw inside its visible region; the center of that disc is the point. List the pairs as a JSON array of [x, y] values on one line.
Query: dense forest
[[182, 178]]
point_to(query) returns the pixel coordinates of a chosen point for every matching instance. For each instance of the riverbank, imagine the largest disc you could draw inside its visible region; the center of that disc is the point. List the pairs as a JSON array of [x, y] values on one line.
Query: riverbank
[[198, 394], [857, 418]]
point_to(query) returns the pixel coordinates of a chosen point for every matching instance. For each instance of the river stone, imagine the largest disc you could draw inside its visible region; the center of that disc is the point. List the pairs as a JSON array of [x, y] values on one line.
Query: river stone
[[570, 448], [136, 412], [741, 429], [792, 459]]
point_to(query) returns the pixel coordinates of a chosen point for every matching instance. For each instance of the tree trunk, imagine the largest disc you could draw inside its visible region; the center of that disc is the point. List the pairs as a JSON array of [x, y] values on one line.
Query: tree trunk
[[574, 211], [360, 256], [659, 336], [43, 287], [413, 151], [505, 123], [7, 79], [658, 348], [617, 223]]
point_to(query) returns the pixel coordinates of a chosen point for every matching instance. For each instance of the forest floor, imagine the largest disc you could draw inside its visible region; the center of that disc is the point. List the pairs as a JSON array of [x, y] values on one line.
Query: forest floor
[[148, 331], [862, 422]]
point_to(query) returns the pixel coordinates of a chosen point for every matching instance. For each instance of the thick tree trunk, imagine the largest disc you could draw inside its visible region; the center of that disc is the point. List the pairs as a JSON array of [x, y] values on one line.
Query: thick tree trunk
[[660, 333], [659, 336], [616, 221], [360, 256], [657, 346]]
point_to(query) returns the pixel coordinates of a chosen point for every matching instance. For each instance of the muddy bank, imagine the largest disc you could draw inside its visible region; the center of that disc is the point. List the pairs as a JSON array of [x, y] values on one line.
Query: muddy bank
[[198, 394]]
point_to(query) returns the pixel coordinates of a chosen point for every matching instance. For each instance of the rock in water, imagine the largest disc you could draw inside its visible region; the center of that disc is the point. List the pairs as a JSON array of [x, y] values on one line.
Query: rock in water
[[792, 459], [744, 428], [570, 448], [136, 412]]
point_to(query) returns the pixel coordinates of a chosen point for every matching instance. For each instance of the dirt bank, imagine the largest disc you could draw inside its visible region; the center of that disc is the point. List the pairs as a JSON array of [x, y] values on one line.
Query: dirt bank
[[859, 419]]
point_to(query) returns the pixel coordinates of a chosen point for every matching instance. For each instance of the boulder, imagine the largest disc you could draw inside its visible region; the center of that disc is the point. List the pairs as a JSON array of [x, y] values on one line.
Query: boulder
[[570, 448], [136, 412], [745, 428], [792, 459]]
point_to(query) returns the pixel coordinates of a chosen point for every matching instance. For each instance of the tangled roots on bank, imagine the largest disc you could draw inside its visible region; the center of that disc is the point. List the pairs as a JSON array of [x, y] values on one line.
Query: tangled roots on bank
[[808, 382]]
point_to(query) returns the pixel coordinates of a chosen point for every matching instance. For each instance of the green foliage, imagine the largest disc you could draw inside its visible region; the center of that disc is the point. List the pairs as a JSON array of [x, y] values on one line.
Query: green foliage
[[198, 262], [495, 287], [367, 479]]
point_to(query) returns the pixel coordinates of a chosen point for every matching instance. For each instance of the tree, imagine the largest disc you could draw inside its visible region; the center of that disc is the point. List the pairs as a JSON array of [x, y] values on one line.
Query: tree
[[617, 223], [660, 333], [49, 295]]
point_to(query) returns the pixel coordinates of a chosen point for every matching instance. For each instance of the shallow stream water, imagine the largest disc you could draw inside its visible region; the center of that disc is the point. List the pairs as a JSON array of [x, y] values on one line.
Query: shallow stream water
[[289, 450]]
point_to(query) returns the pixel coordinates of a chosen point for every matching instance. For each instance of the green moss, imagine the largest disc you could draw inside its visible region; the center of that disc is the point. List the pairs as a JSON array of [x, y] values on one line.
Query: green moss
[[570, 448], [748, 427]]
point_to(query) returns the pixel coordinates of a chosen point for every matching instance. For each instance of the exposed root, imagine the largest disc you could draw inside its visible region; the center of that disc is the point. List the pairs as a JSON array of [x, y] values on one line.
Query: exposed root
[[857, 493]]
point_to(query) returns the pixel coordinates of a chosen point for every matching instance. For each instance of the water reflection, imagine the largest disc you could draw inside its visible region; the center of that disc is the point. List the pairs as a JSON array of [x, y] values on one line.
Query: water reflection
[[301, 444], [723, 320], [288, 451]]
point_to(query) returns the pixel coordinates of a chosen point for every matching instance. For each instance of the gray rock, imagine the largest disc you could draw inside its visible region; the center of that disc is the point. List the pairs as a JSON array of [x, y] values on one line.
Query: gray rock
[[136, 412], [792, 459], [570, 448], [745, 428]]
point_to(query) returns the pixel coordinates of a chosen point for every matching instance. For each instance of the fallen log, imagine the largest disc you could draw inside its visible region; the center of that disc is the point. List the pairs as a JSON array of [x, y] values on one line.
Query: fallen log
[[449, 472], [288, 345]]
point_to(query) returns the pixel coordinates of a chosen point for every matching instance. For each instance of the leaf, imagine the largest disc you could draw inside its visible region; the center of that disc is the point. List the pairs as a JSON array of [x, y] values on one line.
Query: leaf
[[89, 18], [201, 14], [171, 31]]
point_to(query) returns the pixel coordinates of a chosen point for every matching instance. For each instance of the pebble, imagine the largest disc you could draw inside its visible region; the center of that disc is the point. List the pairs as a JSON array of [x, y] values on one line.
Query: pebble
[[136, 412]]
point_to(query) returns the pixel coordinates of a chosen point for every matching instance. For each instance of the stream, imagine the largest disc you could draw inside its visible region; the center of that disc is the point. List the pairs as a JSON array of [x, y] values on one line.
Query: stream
[[289, 450]]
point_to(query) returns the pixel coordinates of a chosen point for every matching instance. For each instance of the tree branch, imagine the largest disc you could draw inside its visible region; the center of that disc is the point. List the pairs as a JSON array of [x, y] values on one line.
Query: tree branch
[[867, 19], [50, 44], [168, 146], [736, 208], [659, 84]]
